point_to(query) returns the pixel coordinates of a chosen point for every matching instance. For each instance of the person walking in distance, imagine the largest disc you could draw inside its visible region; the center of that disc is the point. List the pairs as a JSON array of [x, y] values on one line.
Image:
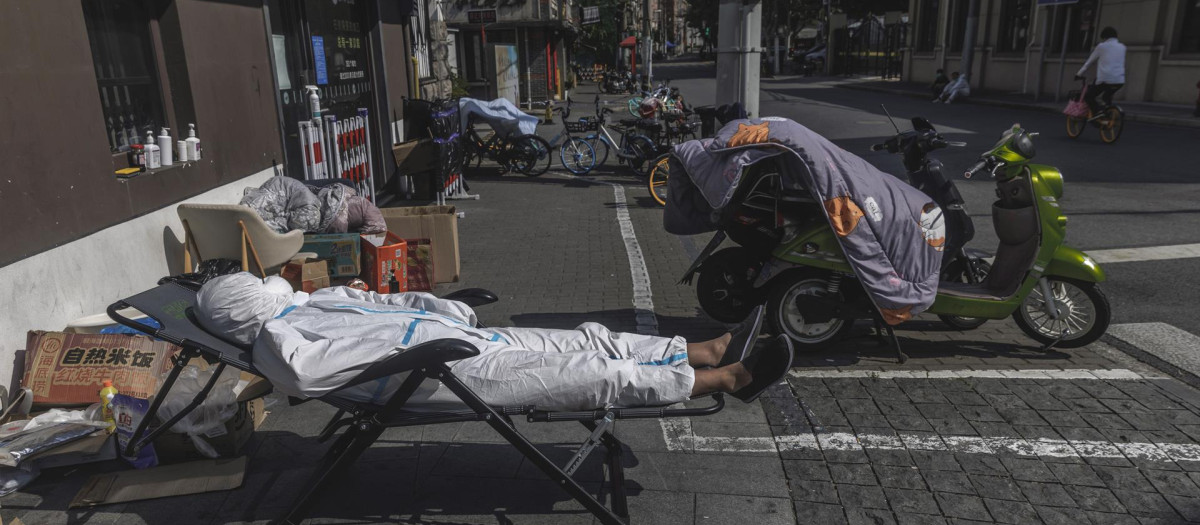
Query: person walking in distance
[[1109, 57]]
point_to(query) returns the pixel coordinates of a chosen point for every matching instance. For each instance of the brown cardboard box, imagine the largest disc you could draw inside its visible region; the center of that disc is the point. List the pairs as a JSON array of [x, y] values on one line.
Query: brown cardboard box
[[307, 276], [158, 482], [69, 369], [173, 447], [382, 255], [415, 156], [343, 250], [439, 224]]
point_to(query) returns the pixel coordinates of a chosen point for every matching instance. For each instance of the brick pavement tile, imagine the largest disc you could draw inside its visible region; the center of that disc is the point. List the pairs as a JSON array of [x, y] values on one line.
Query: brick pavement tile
[[806, 470], [1022, 416], [890, 457], [896, 408], [814, 491], [928, 460], [1084, 405], [938, 410], [1188, 507], [853, 473], [1172, 483], [823, 513], [719, 508], [1063, 418], [1028, 469], [1095, 498], [968, 399], [913, 423], [950, 482], [1075, 474], [913, 501], [843, 389], [859, 496], [960, 506], [1061, 516], [1046, 494], [1106, 421], [1108, 518], [904, 518], [1145, 504], [981, 464], [1099, 389], [899, 477], [1123, 478], [1064, 391], [869, 517], [955, 426], [1005, 511], [993, 428], [986, 387], [979, 413], [863, 421], [1037, 432], [845, 456], [997, 487]]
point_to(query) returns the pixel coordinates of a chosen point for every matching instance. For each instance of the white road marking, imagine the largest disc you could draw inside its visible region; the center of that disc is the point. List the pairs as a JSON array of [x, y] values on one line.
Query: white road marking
[[845, 441], [1117, 374], [643, 297], [1148, 253]]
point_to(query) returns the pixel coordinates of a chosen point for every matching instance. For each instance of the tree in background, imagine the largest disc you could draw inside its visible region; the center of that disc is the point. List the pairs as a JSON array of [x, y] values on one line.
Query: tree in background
[[600, 40]]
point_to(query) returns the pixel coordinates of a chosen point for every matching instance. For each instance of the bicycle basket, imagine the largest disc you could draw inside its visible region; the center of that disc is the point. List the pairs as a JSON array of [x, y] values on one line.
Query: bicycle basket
[[580, 126]]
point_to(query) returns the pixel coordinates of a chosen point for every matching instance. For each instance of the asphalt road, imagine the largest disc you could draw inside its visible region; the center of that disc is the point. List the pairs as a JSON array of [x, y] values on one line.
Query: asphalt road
[[1142, 191]]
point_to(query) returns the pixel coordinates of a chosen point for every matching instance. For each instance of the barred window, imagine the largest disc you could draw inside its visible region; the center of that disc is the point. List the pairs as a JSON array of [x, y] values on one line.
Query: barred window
[[123, 56], [1189, 34], [956, 25], [1014, 26], [421, 39], [927, 23], [1079, 22]]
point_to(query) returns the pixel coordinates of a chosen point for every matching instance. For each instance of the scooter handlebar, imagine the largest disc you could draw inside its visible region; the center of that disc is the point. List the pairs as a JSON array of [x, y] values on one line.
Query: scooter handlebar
[[978, 168], [878, 147]]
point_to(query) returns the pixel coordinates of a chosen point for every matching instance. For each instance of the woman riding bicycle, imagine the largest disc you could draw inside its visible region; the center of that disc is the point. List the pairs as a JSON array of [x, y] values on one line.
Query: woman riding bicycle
[[1109, 57]]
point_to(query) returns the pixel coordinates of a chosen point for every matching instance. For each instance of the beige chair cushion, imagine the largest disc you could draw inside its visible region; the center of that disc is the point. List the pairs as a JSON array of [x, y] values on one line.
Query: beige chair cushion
[[216, 234]]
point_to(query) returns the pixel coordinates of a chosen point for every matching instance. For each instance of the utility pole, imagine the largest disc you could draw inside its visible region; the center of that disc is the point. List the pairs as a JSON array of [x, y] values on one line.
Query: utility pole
[[647, 42], [969, 37], [738, 52]]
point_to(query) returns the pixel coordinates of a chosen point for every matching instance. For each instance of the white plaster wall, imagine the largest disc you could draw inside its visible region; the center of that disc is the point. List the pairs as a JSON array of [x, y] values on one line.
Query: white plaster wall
[[52, 288]]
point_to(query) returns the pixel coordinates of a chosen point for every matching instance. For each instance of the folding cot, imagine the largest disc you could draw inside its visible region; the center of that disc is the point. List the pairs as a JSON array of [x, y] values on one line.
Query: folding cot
[[171, 304]]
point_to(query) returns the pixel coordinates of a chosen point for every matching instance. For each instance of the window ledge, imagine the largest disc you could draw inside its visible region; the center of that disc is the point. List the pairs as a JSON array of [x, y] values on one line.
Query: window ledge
[[155, 171]]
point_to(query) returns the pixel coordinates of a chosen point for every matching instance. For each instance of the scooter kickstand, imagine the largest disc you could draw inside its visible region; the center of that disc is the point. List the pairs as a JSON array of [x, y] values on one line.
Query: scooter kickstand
[[901, 357]]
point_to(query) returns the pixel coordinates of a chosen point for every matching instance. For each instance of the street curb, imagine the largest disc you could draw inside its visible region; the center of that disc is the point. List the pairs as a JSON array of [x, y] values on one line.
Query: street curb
[[1133, 117], [1152, 360]]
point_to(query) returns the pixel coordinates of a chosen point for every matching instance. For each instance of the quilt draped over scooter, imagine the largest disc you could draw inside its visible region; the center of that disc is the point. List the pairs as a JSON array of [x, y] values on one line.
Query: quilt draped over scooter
[[891, 233]]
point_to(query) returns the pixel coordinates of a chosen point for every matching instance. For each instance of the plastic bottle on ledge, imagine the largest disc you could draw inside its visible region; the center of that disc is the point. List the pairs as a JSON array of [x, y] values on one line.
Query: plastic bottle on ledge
[[106, 412], [193, 144], [165, 147], [153, 156]]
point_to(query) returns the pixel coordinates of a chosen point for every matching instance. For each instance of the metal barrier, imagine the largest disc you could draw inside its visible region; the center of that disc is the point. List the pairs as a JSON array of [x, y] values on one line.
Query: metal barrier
[[339, 149]]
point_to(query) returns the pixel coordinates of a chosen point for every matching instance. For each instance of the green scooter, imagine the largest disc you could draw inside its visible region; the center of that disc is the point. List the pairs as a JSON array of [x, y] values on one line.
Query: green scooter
[[1051, 290]]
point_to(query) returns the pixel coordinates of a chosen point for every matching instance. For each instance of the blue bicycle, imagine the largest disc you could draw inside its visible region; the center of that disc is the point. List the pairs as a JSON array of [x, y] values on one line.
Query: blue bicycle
[[577, 155], [634, 148]]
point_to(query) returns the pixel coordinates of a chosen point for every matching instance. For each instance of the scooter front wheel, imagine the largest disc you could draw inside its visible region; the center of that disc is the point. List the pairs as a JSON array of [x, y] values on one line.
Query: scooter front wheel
[[1084, 314], [725, 286], [784, 316]]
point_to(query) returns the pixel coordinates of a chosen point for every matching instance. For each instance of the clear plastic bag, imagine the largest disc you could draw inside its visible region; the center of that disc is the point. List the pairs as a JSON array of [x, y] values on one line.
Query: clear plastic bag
[[207, 419]]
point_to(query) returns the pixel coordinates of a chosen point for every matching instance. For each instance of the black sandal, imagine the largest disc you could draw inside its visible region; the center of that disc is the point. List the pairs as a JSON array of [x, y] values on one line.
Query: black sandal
[[767, 366], [744, 337]]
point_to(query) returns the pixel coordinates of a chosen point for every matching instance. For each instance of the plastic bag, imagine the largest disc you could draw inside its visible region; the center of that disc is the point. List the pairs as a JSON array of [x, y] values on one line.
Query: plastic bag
[[128, 412], [58, 415], [207, 419], [209, 269], [1076, 107], [13, 478], [17, 447]]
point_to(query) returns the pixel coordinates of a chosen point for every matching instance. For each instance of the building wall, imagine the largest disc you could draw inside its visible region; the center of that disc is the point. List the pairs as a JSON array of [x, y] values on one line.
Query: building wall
[[1148, 28], [76, 238]]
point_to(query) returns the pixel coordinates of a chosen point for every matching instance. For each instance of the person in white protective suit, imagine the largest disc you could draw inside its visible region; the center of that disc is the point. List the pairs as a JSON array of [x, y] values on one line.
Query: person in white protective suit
[[309, 345]]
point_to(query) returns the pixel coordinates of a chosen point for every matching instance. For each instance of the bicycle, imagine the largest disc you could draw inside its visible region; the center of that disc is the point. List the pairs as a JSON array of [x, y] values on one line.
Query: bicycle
[[523, 153], [1110, 120], [634, 149], [656, 181], [577, 155]]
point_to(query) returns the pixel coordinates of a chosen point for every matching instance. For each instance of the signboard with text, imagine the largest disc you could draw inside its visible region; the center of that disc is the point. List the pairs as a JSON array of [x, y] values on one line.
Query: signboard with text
[[481, 16]]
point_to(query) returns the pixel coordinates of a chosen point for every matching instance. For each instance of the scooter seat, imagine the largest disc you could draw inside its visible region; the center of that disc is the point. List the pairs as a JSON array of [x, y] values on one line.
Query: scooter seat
[[968, 290]]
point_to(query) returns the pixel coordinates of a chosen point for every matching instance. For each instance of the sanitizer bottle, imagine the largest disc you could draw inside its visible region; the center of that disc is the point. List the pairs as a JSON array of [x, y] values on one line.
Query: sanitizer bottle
[[193, 144], [165, 146], [314, 101], [153, 155]]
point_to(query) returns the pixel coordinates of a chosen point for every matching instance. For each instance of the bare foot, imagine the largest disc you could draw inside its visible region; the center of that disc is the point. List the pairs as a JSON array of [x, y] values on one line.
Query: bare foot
[[708, 353], [740, 376]]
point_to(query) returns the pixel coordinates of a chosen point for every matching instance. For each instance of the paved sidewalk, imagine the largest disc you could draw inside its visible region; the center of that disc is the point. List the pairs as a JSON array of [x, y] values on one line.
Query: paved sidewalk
[[1154, 113]]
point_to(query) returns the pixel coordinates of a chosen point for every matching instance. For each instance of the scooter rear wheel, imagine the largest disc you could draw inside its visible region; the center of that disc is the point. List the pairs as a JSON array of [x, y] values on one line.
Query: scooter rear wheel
[[725, 287], [1085, 305], [783, 316]]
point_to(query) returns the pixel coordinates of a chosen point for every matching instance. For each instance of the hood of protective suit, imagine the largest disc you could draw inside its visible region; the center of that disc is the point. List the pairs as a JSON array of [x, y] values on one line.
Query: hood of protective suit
[[237, 305]]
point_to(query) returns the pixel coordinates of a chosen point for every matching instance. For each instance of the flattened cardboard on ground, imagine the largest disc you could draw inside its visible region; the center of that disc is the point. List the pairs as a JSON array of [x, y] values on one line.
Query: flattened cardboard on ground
[[439, 224], [159, 482], [415, 156], [94, 448]]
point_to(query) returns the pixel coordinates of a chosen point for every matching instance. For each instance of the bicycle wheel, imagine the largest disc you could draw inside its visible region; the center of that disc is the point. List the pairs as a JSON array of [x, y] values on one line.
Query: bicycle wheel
[[577, 156], [640, 150], [633, 105], [657, 181], [600, 146], [1110, 130], [531, 155], [1075, 126]]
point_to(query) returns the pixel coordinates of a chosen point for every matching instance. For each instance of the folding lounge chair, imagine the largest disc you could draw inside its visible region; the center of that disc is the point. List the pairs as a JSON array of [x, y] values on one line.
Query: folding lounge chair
[[172, 305]]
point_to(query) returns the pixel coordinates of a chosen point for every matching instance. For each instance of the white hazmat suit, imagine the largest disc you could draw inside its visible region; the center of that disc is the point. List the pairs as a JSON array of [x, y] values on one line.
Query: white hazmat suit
[[308, 345]]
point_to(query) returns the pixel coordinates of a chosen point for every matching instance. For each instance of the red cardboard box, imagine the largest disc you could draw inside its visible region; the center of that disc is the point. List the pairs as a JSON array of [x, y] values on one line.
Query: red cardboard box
[[382, 255], [69, 369], [420, 265], [306, 276]]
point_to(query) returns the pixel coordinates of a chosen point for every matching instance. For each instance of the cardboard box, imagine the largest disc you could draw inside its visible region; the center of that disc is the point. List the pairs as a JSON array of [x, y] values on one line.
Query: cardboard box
[[342, 250], [415, 156], [439, 224], [69, 369], [306, 276], [159, 482], [382, 255], [420, 265], [174, 447]]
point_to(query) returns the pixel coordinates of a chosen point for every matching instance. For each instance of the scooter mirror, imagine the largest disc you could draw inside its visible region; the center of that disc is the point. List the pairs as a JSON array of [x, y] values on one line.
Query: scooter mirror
[[921, 124]]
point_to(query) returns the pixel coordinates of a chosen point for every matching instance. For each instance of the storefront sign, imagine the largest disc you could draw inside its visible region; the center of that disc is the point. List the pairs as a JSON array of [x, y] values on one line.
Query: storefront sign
[[591, 15], [318, 44], [481, 16]]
